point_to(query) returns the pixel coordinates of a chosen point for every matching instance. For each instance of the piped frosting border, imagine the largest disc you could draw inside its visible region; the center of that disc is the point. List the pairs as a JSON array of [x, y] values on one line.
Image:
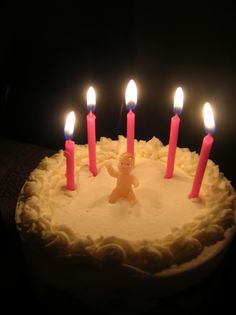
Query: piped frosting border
[[34, 214]]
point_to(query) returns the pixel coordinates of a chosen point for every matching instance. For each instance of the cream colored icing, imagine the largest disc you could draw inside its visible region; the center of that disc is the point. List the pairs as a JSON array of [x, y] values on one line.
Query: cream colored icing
[[162, 229]]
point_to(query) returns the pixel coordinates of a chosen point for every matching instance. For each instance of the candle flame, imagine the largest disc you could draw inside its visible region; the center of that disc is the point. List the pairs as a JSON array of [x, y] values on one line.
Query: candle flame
[[131, 95], [178, 100], [209, 120], [69, 125], [91, 99]]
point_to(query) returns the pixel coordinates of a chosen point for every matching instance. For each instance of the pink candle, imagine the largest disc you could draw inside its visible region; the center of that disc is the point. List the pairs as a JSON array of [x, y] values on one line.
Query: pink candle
[[131, 102], [205, 151], [69, 151], [70, 167], [174, 132], [130, 131], [91, 130]]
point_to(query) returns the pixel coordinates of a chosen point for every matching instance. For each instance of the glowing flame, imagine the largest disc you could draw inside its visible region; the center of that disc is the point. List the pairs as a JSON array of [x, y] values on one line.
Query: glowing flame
[[69, 125], [178, 100], [209, 120], [91, 99], [131, 95]]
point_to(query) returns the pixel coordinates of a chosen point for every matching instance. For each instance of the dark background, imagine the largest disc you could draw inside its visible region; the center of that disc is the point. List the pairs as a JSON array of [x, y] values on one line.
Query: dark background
[[50, 57]]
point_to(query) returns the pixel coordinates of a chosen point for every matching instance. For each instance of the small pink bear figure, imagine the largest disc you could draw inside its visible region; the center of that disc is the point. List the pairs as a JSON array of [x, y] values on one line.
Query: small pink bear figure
[[125, 179]]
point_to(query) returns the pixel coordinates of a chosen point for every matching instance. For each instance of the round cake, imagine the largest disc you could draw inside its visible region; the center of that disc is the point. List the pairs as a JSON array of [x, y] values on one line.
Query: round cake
[[78, 239]]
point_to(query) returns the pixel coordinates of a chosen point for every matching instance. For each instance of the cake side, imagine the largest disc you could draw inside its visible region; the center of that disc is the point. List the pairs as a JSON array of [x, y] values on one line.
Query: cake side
[[35, 212]]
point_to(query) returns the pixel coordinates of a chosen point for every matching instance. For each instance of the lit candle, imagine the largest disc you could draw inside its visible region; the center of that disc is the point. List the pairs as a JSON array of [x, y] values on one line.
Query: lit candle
[[131, 102], [69, 151], [91, 130], [174, 131], [207, 142]]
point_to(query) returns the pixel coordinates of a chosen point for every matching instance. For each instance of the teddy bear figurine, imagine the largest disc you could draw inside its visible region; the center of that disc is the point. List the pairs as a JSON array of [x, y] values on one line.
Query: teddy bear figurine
[[125, 180]]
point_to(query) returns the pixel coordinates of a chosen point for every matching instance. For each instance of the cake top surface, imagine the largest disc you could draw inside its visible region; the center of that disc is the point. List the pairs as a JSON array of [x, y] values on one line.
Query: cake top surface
[[164, 226], [162, 204]]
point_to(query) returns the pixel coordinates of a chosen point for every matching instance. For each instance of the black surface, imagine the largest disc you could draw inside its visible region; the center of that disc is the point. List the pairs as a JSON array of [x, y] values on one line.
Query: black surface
[[49, 58]]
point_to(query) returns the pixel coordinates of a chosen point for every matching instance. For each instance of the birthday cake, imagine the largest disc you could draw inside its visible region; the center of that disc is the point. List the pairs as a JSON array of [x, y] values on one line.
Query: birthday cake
[[160, 235]]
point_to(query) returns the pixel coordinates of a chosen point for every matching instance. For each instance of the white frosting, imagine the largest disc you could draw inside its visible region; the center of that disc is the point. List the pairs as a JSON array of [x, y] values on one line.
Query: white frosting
[[159, 209], [163, 228]]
